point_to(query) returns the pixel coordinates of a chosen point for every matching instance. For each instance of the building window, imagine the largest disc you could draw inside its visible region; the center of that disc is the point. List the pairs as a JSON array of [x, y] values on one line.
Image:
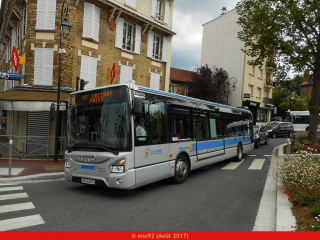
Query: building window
[[155, 81], [126, 74], [174, 88], [46, 15], [259, 92], [43, 66], [262, 115], [24, 22], [261, 73], [157, 47], [250, 88], [253, 69], [128, 36], [160, 10], [89, 70], [266, 93], [91, 21]]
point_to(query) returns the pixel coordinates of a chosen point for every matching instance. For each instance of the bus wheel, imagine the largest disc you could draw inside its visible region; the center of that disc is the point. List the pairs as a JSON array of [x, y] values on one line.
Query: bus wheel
[[239, 153], [182, 169]]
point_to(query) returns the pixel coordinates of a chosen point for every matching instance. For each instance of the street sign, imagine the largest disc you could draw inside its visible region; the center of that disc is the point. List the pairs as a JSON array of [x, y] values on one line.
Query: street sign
[[113, 72], [10, 76], [15, 58], [247, 95]]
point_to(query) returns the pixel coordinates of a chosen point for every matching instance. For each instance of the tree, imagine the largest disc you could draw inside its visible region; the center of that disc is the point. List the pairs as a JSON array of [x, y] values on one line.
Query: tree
[[286, 31], [279, 95], [292, 85], [209, 84], [295, 103]]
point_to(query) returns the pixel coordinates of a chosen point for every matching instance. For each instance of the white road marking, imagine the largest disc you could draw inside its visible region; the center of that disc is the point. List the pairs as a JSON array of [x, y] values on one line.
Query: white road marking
[[21, 222], [257, 164], [14, 171], [16, 207], [267, 155], [232, 165], [252, 155], [4, 189], [13, 196]]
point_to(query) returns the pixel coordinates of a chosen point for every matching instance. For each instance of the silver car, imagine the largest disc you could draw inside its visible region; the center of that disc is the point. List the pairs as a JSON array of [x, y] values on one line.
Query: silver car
[[260, 135]]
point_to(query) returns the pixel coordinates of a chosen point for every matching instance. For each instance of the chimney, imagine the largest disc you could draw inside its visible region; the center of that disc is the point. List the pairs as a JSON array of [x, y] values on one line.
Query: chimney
[[224, 9]]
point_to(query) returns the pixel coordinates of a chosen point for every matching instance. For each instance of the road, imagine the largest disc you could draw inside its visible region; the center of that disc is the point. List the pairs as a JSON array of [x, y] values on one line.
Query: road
[[220, 197]]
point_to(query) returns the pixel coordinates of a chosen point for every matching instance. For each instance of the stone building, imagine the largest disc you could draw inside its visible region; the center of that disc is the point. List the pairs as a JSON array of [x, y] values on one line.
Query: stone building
[[134, 35], [307, 85]]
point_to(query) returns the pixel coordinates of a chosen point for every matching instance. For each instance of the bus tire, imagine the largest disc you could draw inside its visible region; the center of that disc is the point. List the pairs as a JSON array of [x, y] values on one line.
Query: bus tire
[[239, 156], [181, 169]]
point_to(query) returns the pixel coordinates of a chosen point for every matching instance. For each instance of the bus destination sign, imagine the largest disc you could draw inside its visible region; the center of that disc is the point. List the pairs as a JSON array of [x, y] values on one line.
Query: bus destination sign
[[91, 98]]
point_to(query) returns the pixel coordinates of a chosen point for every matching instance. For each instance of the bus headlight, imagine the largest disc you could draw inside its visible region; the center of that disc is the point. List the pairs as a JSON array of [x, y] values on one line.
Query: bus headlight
[[117, 169], [67, 163], [118, 166]]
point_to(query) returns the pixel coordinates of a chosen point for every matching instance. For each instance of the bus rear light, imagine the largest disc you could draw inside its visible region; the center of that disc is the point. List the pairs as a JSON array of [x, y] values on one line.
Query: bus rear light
[[170, 155], [195, 161]]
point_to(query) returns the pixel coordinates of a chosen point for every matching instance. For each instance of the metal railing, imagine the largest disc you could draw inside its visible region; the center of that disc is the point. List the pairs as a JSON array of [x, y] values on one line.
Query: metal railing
[[28, 147]]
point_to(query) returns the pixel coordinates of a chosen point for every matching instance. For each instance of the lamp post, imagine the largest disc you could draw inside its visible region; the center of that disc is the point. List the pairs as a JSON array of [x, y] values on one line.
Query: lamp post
[[64, 31], [233, 87]]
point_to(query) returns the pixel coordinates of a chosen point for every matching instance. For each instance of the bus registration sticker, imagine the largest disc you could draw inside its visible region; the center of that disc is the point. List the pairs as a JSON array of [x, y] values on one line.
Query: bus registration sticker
[[88, 181]]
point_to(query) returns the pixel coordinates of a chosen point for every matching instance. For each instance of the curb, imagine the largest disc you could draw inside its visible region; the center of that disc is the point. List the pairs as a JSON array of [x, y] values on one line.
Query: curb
[[41, 176], [285, 221]]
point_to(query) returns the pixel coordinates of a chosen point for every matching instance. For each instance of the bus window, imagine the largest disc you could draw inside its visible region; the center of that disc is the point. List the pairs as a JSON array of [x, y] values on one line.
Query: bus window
[[155, 123], [202, 128], [216, 125]]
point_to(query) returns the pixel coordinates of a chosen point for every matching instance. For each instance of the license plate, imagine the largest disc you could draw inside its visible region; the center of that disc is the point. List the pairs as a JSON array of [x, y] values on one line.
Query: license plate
[[88, 181]]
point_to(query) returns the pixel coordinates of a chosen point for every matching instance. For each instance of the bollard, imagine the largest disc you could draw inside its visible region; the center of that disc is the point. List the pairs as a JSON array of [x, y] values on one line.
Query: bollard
[[10, 156], [288, 146]]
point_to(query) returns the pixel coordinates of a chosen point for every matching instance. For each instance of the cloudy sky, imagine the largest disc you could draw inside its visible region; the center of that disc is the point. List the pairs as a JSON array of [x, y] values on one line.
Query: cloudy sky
[[188, 18]]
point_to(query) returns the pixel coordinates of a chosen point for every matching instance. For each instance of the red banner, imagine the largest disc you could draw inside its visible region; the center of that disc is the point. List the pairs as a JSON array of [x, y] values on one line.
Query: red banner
[[15, 58], [113, 72]]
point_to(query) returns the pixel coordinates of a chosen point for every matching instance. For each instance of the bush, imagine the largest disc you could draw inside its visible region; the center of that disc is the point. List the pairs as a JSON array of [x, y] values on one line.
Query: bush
[[300, 178], [315, 210]]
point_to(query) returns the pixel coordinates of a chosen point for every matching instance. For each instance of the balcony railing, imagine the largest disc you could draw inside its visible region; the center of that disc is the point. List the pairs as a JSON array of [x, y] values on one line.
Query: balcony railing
[[267, 100], [269, 82]]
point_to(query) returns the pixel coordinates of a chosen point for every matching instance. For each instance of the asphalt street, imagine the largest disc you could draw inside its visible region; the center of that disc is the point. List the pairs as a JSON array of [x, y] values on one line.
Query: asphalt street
[[220, 197]]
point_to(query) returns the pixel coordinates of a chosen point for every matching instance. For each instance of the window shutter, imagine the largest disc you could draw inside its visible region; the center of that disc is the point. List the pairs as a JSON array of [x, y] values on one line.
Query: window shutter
[[84, 74], [93, 63], [157, 81], [150, 44], [38, 54], [166, 13], [119, 32], [46, 14], [153, 8], [129, 73], [88, 20], [48, 66], [132, 3], [137, 43], [96, 23], [24, 24], [123, 74], [51, 14], [165, 48]]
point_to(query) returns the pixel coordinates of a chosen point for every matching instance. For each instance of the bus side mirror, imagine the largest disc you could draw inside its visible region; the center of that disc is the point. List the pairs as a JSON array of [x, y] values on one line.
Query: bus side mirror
[[137, 106]]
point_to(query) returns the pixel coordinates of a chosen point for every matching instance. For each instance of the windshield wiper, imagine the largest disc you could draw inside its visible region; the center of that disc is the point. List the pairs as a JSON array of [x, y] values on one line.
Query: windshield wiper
[[96, 146]]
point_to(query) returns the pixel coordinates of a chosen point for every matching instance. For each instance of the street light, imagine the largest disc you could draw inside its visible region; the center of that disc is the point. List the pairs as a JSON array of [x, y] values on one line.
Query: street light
[[64, 31], [233, 87]]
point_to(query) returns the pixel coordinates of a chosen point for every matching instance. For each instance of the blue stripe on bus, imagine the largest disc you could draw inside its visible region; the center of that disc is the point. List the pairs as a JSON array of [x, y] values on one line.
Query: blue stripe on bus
[[88, 167], [215, 144]]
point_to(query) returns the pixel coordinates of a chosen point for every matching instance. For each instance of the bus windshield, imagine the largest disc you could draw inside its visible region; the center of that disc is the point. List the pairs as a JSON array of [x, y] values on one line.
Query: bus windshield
[[99, 121]]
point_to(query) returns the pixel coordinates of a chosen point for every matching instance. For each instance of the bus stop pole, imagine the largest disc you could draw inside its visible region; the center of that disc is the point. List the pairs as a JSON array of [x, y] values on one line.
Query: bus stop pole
[[10, 156]]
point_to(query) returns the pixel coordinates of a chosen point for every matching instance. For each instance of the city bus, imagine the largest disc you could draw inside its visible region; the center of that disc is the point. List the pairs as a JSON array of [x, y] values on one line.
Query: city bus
[[181, 134], [300, 120]]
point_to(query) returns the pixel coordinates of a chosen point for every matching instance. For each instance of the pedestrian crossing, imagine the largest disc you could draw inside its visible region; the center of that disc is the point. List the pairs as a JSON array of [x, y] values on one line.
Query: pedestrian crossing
[[21, 221], [256, 164]]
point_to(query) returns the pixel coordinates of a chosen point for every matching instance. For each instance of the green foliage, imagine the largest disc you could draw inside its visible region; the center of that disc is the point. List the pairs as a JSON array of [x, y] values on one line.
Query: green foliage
[[316, 226], [315, 210], [295, 103]]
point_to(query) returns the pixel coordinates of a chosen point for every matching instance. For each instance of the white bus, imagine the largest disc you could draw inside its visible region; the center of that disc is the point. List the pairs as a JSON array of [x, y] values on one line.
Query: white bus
[[182, 134], [299, 119]]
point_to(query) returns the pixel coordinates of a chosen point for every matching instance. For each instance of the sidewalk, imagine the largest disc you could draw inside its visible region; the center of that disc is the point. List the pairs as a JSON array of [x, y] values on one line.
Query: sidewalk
[[35, 169]]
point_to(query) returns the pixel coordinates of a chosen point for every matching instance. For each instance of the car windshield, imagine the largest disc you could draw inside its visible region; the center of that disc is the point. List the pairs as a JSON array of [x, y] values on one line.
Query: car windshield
[[255, 130], [271, 125], [99, 120]]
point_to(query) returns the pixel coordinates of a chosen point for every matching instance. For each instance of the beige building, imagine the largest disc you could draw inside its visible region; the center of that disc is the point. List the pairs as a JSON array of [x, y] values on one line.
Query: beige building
[[253, 84], [134, 35]]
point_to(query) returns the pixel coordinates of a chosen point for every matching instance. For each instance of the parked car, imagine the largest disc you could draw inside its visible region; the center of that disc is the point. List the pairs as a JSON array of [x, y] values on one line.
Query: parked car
[[260, 135], [318, 129], [276, 129], [278, 118]]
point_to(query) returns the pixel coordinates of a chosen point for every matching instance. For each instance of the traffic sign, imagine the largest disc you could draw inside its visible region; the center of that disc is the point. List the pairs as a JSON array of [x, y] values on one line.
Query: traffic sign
[[15, 58], [10, 76]]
